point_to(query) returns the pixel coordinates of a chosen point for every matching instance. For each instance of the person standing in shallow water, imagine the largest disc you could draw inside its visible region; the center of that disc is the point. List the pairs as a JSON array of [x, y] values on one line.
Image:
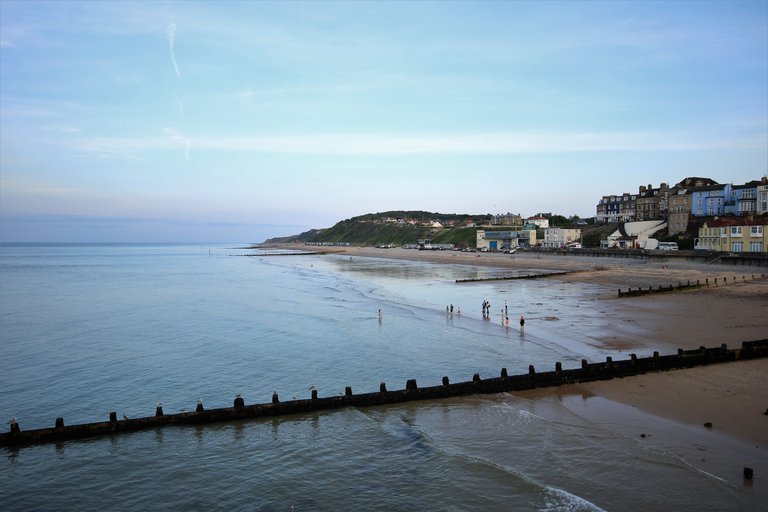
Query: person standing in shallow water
[[522, 322]]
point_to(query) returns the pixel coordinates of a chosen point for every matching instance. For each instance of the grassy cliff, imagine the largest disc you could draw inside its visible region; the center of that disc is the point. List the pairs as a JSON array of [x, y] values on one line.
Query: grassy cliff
[[374, 229]]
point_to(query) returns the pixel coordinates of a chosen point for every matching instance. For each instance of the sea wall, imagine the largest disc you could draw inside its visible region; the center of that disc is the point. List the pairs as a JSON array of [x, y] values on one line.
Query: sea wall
[[533, 379]]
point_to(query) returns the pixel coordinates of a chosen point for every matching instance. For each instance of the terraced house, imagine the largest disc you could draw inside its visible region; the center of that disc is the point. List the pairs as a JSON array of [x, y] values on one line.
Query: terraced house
[[734, 234]]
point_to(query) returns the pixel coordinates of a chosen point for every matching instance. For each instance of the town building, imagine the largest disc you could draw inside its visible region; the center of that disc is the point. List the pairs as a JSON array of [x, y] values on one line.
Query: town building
[[538, 221], [744, 198], [505, 240], [616, 209], [555, 238], [734, 234], [762, 197], [652, 203], [507, 219], [681, 203]]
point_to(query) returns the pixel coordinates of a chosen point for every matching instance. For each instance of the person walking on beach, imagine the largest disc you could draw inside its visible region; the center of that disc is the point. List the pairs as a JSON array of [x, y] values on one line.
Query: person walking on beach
[[522, 322], [451, 308]]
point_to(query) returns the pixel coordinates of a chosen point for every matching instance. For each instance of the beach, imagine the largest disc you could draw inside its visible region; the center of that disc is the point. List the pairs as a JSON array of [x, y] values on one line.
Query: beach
[[732, 397]]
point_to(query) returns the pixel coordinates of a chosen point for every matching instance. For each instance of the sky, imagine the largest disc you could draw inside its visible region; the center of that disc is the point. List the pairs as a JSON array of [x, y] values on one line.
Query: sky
[[236, 121]]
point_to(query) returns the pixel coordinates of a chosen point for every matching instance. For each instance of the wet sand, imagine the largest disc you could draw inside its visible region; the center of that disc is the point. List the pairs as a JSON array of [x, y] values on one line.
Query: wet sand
[[732, 397]]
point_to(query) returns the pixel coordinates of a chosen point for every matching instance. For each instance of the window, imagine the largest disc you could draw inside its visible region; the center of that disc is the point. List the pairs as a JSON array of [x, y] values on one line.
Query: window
[[756, 247], [756, 230], [723, 231], [735, 230], [737, 246]]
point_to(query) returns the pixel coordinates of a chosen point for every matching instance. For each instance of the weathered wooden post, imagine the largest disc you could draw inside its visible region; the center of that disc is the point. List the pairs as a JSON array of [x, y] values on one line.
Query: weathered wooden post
[[348, 391], [531, 370], [410, 385], [239, 402], [275, 398], [504, 374], [159, 409], [476, 378], [314, 394], [445, 380], [59, 423], [15, 426], [113, 417], [558, 367], [383, 387], [199, 407]]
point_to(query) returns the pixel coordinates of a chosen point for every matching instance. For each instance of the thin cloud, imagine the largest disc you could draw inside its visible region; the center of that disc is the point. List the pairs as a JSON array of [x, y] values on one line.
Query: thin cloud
[[171, 31], [500, 143]]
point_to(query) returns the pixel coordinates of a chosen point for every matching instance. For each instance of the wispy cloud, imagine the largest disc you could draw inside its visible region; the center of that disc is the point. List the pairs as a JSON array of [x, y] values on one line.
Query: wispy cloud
[[64, 128], [171, 31], [37, 188], [497, 143]]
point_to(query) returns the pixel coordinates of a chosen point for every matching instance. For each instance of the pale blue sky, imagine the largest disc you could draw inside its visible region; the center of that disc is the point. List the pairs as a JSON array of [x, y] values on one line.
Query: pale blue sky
[[236, 121]]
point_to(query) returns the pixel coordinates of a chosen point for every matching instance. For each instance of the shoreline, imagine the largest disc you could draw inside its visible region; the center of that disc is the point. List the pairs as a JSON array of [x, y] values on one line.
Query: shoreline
[[733, 397]]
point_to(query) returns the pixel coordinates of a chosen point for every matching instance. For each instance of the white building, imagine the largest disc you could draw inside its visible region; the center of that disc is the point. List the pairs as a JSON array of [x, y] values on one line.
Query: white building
[[554, 238], [541, 222]]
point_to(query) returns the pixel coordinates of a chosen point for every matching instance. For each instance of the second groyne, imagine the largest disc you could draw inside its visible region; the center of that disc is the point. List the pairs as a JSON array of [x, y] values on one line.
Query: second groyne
[[587, 372]]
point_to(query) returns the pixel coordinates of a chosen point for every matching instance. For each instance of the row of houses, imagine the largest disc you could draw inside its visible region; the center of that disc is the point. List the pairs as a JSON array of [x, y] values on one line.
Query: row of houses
[[690, 198], [734, 234]]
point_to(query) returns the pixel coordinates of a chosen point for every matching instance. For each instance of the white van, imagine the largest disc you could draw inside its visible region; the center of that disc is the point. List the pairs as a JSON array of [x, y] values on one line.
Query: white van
[[667, 246]]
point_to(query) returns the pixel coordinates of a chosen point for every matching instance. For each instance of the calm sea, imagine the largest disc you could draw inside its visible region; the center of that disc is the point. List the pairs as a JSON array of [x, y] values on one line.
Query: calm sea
[[89, 329]]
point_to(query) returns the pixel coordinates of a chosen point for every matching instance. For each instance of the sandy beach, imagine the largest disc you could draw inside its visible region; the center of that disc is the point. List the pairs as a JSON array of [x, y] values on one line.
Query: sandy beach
[[733, 398]]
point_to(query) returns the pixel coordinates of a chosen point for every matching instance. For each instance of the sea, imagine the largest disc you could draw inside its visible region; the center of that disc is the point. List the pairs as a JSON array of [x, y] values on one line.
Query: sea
[[86, 329]]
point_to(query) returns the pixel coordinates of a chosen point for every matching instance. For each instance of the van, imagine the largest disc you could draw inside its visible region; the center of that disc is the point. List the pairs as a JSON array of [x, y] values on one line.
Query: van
[[667, 246]]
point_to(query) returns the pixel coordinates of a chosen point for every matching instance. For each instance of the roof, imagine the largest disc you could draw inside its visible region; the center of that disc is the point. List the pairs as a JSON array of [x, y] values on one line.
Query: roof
[[721, 222]]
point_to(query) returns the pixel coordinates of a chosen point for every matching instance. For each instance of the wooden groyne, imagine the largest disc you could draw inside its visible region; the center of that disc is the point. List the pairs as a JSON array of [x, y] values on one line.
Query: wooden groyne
[[512, 278], [240, 411], [680, 286]]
